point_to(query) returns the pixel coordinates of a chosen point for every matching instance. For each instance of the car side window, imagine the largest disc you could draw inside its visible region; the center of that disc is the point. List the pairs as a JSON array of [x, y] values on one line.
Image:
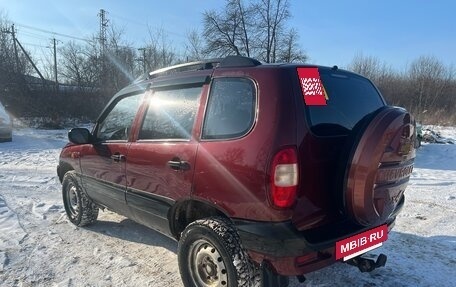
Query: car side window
[[231, 108], [117, 124], [171, 114]]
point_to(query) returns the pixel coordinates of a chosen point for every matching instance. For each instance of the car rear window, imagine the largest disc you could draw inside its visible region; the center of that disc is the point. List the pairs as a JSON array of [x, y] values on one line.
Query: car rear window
[[231, 108], [348, 99]]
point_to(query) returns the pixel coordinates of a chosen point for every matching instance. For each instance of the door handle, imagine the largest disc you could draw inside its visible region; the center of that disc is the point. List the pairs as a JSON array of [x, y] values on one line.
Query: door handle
[[178, 164], [117, 157]]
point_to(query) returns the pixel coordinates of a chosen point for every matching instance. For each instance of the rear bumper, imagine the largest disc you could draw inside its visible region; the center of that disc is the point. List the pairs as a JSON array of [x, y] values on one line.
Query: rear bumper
[[292, 252]]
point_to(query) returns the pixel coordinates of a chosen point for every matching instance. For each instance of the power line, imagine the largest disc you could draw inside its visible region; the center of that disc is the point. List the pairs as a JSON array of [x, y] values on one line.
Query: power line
[[34, 45], [42, 51], [128, 20], [53, 33], [149, 27], [33, 35]]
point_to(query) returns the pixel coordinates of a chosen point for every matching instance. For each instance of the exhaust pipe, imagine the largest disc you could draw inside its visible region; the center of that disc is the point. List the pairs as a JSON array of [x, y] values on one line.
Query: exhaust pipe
[[367, 264]]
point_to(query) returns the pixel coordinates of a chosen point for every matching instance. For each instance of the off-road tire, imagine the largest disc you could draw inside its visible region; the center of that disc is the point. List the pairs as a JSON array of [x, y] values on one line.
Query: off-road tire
[[80, 209], [200, 241]]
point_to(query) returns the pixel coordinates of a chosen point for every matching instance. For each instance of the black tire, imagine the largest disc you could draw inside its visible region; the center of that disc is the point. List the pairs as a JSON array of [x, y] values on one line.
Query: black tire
[[210, 254], [80, 209]]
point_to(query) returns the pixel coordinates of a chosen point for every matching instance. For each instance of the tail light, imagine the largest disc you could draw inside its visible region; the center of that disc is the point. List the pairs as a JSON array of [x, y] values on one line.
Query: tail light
[[284, 178]]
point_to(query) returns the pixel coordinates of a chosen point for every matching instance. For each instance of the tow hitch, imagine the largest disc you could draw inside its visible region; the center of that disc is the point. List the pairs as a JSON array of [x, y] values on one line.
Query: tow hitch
[[367, 263]]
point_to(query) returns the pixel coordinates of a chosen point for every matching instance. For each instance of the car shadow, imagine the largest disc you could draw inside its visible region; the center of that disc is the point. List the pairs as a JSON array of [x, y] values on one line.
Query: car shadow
[[412, 260], [131, 231]]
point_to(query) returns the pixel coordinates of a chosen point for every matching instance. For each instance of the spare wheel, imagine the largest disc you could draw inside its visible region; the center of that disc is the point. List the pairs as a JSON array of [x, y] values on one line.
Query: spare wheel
[[379, 166]]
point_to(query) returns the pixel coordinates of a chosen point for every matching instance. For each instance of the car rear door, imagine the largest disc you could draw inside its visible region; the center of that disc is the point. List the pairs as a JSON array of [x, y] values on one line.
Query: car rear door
[[161, 161], [331, 102]]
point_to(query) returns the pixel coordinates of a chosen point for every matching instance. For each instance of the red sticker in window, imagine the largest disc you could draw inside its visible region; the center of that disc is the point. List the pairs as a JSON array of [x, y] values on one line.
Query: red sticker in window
[[312, 88]]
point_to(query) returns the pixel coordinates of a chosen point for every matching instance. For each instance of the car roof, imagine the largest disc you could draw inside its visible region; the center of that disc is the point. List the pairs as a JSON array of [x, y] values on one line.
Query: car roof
[[200, 72]]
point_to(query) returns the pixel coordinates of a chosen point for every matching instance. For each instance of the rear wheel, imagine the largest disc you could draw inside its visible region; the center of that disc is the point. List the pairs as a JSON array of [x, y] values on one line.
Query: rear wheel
[[210, 254], [79, 207]]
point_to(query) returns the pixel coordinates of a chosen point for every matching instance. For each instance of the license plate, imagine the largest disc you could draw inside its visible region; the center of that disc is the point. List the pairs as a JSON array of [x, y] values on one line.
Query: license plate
[[361, 243]]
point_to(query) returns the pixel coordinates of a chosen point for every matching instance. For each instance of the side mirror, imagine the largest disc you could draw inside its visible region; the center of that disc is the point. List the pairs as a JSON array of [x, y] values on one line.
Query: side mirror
[[79, 136]]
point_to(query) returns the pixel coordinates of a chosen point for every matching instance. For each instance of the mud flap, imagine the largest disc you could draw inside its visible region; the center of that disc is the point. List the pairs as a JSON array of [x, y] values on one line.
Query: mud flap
[[270, 279]]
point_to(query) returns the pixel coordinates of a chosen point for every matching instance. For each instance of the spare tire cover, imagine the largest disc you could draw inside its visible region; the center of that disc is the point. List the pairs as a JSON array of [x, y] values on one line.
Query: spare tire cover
[[379, 167]]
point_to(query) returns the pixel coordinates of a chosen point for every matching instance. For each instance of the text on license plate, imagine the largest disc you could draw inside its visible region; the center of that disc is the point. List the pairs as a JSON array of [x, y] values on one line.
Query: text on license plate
[[361, 243]]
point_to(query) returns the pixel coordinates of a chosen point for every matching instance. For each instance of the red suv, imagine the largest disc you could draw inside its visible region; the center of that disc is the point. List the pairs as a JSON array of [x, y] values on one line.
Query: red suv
[[260, 171]]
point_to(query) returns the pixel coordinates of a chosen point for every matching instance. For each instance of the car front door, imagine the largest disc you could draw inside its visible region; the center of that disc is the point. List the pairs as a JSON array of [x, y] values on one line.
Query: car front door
[[103, 162], [161, 161]]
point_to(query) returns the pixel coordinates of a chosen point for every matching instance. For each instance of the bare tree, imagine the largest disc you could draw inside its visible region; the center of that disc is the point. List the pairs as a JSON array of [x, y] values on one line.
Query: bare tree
[[6, 48], [289, 51], [367, 66], [392, 85], [429, 79], [194, 49], [159, 51], [273, 14], [10, 67], [426, 88], [253, 29], [120, 56], [223, 31], [115, 65], [246, 18], [47, 65], [78, 66]]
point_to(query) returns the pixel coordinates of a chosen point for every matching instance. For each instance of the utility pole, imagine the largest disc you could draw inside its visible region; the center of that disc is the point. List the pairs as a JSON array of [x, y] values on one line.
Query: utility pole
[[103, 26], [31, 62], [55, 66], [15, 43], [102, 64], [13, 33]]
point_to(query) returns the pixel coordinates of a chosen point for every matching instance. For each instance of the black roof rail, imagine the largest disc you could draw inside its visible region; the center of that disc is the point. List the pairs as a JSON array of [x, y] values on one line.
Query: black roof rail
[[192, 66], [229, 61], [239, 61]]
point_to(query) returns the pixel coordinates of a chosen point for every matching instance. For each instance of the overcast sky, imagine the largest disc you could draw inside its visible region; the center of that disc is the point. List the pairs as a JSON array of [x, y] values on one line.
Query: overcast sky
[[331, 31]]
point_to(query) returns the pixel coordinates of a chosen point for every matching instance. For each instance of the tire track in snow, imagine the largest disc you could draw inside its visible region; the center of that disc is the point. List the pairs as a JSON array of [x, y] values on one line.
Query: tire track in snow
[[12, 234]]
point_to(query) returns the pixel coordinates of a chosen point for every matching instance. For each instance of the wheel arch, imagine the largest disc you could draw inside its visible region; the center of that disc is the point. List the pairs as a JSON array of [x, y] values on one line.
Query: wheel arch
[[62, 169], [186, 211]]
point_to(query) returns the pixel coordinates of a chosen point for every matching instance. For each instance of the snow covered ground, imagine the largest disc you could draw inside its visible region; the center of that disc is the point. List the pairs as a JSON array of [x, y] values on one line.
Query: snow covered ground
[[40, 247]]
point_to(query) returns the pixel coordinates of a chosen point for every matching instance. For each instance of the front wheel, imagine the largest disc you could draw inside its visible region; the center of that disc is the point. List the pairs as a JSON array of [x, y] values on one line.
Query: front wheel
[[79, 207], [210, 254]]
